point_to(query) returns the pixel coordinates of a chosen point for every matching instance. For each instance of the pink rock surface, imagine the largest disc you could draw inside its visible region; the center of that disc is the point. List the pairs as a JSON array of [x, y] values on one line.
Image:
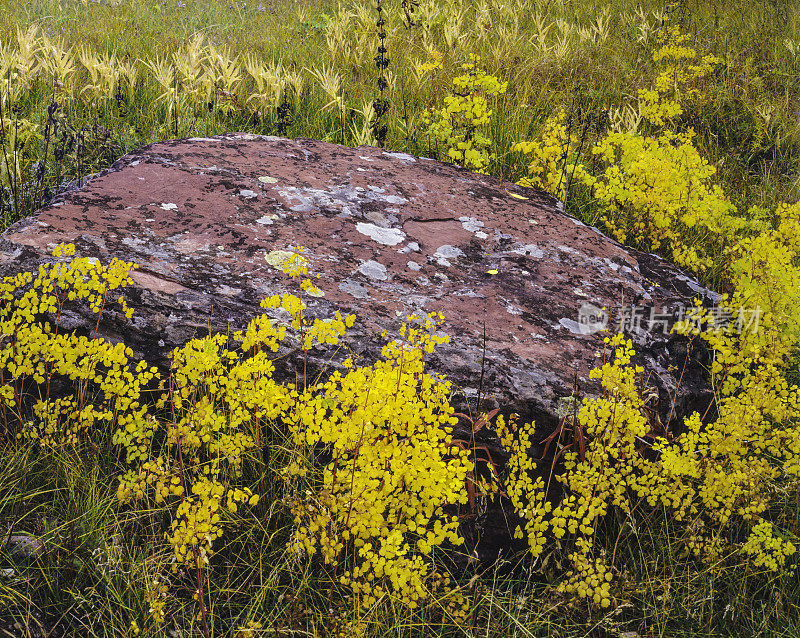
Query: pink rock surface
[[391, 235]]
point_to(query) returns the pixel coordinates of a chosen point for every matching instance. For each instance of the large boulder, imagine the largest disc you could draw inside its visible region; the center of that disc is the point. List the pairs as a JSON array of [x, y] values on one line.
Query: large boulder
[[520, 283]]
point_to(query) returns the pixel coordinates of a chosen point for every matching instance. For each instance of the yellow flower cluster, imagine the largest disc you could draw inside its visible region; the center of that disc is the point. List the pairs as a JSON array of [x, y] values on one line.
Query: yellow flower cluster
[[250, 630], [391, 470], [767, 550], [666, 101], [589, 579], [220, 398], [33, 349], [198, 522], [527, 495], [550, 166], [157, 599], [202, 449], [223, 399], [153, 473], [655, 191], [459, 125], [657, 195], [704, 544], [323, 331], [766, 269], [710, 476], [434, 65]]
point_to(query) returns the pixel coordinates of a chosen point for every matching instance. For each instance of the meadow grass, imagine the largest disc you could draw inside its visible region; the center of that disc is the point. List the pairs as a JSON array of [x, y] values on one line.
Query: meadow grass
[[105, 569], [551, 54]]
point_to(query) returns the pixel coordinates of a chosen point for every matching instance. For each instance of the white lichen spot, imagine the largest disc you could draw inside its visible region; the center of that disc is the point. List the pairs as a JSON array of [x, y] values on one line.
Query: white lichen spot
[[531, 250], [573, 326], [229, 291], [189, 245], [511, 308], [266, 179], [413, 265], [401, 156], [250, 137], [373, 270], [471, 224], [387, 236], [481, 235], [445, 253], [354, 289], [248, 194], [169, 206], [698, 288], [266, 220], [409, 247]]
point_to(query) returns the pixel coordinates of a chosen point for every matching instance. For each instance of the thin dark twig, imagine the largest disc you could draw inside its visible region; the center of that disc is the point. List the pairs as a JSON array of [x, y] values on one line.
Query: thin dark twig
[[50, 129]]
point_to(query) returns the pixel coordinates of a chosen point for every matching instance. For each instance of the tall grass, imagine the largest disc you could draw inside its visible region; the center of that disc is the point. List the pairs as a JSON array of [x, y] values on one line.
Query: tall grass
[[553, 53]]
